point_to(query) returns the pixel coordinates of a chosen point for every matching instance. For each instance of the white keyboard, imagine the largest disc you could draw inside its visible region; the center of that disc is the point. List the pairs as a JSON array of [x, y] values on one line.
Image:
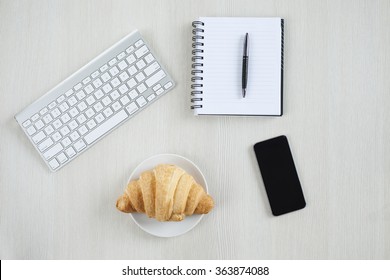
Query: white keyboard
[[112, 88]]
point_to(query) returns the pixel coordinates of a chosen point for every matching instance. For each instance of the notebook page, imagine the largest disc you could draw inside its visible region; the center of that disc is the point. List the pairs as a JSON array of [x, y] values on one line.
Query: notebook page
[[222, 70]]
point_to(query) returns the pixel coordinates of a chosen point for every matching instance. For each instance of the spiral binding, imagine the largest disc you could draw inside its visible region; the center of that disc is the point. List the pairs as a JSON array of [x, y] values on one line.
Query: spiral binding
[[197, 65]]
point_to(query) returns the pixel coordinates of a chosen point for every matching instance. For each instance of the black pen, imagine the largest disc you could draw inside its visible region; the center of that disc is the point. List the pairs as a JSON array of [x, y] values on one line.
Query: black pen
[[245, 60]]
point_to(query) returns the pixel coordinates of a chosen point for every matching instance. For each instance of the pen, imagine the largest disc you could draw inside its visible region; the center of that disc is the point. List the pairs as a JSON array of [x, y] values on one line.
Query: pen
[[245, 60]]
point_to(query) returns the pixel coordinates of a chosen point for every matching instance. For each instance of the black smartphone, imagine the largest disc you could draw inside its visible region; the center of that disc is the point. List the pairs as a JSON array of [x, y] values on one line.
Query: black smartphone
[[279, 175]]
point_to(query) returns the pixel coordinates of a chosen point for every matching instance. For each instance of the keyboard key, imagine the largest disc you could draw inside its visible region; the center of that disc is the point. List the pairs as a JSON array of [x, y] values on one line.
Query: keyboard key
[[124, 100], [26, 123], [141, 64], [168, 85], [139, 43], [72, 101], [31, 130], [62, 158], [115, 82], [112, 62], [133, 94], [49, 130], [73, 125], [73, 112], [91, 124], [70, 152], [53, 151], [152, 68], [78, 86], [141, 51], [43, 111], [57, 124], [61, 98], [90, 113], [149, 58], [108, 112], [156, 87], [130, 49], [47, 118], [80, 95], [35, 117], [88, 89], [55, 113], [90, 100], [132, 108], [131, 59], [82, 106], [81, 119], [132, 70], [151, 97], [122, 65], [95, 74], [98, 107], [64, 106], [66, 142], [114, 71], [38, 137], [86, 80], [83, 129], [107, 88], [52, 105], [115, 95], [74, 135], [131, 83], [116, 106], [45, 144], [79, 145], [105, 77], [98, 94], [124, 76], [99, 118], [54, 163], [56, 136], [65, 118], [105, 127], [104, 68], [123, 89], [65, 130], [161, 90], [141, 88], [141, 101], [106, 101], [39, 124], [140, 77], [121, 55], [97, 83], [155, 78], [69, 92]]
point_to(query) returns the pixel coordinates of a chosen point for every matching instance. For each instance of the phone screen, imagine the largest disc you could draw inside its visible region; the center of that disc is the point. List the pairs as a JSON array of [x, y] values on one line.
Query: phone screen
[[279, 175]]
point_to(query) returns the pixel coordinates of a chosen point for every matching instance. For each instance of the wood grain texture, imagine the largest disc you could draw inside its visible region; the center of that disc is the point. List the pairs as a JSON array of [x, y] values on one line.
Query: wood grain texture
[[337, 69]]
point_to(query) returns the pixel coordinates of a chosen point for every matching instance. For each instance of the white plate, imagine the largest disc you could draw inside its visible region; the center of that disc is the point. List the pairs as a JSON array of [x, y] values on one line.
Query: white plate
[[168, 229]]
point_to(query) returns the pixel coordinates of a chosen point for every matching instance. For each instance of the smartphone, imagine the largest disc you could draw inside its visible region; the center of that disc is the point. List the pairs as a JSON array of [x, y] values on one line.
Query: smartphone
[[279, 175]]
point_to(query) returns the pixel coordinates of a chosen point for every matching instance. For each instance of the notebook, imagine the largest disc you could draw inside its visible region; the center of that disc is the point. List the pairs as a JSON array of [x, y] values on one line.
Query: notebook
[[217, 56]]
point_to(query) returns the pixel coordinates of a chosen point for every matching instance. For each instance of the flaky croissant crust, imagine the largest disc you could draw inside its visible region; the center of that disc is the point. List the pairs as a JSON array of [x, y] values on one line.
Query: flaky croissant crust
[[166, 193]]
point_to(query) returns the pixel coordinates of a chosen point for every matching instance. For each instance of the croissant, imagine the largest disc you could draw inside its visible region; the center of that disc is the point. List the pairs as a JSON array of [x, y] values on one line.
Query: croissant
[[166, 193]]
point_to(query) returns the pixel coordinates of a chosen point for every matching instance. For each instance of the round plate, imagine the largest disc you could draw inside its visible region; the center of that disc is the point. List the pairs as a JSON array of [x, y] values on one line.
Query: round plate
[[168, 229]]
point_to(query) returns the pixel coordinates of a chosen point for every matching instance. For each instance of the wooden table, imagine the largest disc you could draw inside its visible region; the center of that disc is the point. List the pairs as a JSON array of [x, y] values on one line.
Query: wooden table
[[336, 117]]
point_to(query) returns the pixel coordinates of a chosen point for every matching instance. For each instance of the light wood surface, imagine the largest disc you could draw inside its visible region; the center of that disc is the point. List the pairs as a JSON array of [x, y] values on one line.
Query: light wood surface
[[336, 117]]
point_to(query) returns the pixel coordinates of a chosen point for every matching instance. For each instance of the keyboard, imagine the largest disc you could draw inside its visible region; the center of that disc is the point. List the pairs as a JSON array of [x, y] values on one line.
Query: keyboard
[[112, 88]]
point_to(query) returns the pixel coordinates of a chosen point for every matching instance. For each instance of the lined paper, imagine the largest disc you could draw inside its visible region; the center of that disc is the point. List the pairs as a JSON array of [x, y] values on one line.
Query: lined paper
[[222, 70]]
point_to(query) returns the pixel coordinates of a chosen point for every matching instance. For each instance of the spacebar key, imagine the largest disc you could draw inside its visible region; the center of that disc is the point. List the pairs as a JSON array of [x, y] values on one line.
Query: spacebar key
[[106, 126]]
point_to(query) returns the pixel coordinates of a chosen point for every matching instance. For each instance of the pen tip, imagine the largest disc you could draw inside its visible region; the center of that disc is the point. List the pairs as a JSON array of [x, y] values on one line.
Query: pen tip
[[243, 93]]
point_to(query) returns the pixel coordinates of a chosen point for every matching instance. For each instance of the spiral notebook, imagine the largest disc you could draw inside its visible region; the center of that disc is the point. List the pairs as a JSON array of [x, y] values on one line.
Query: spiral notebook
[[217, 66]]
